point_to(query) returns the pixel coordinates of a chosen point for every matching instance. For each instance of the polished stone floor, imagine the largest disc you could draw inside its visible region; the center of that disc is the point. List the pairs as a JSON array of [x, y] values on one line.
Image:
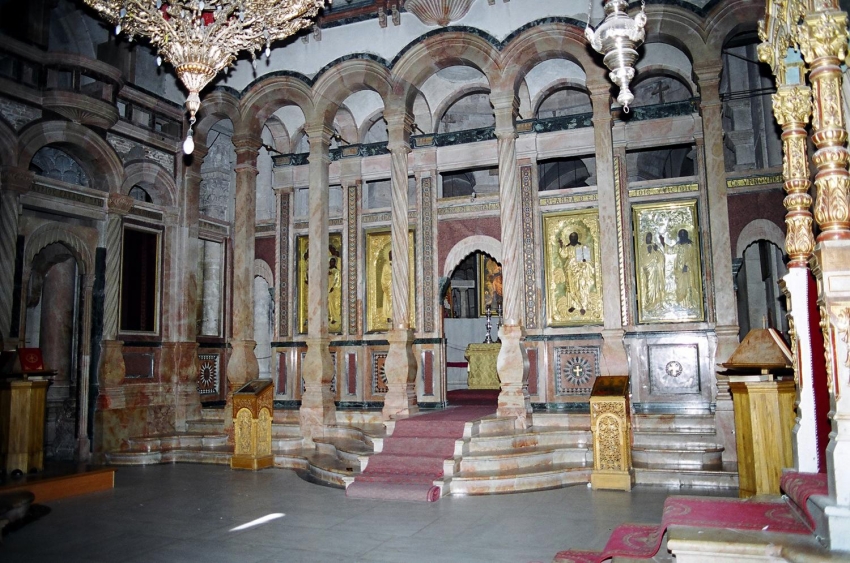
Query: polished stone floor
[[175, 513]]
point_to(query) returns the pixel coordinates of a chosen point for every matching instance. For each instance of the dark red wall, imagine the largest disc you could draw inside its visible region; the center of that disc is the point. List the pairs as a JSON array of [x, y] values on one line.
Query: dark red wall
[[452, 232], [744, 208], [264, 249]]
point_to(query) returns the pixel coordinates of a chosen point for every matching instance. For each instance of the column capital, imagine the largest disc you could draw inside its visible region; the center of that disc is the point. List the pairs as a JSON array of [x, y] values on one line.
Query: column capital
[[792, 104], [823, 34], [119, 204], [399, 128], [709, 71], [283, 190], [318, 132], [246, 143], [16, 179], [600, 89]]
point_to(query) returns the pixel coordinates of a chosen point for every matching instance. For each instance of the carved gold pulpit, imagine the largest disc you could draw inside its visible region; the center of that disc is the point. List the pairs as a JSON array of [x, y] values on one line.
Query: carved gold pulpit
[[252, 425], [482, 366], [764, 411], [611, 427]]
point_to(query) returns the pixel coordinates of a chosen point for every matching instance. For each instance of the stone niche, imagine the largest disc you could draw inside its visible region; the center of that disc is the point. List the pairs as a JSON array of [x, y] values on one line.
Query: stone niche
[[672, 372]]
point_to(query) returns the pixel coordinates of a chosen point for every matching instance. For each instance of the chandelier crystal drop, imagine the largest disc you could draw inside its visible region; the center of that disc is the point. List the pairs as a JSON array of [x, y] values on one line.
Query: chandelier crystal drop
[[617, 39], [200, 38]]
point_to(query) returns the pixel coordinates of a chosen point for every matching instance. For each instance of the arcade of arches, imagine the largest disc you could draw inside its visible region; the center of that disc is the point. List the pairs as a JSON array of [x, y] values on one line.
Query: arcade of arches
[[157, 283]]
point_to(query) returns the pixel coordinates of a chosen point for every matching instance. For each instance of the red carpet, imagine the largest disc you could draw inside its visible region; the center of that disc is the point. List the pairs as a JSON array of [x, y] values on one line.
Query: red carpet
[[641, 541], [800, 486], [412, 458], [473, 397]]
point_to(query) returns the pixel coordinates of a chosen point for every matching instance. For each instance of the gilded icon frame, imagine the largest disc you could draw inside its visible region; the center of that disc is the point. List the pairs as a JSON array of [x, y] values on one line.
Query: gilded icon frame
[[489, 285], [573, 284], [302, 245], [378, 247], [668, 275]]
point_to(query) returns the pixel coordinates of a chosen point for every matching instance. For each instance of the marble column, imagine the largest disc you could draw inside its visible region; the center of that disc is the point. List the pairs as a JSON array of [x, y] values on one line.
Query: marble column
[[14, 182], [317, 402], [243, 366], [613, 351], [84, 446], [400, 366], [512, 363], [823, 44], [719, 269], [111, 366]]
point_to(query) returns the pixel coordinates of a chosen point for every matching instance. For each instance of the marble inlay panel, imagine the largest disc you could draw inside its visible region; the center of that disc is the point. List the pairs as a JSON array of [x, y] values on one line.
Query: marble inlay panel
[[576, 368], [139, 365], [353, 196], [529, 270], [674, 369], [208, 370], [427, 255], [379, 374], [283, 267]]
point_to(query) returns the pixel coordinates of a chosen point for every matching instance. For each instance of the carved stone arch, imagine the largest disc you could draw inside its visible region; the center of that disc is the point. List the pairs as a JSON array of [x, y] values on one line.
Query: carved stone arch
[[217, 105], [52, 233], [8, 145], [268, 95], [557, 85], [92, 152], [263, 270], [368, 123], [280, 134], [469, 245], [438, 51], [455, 97], [345, 125], [756, 230], [678, 27], [728, 19], [540, 43], [654, 70], [344, 79], [158, 182]]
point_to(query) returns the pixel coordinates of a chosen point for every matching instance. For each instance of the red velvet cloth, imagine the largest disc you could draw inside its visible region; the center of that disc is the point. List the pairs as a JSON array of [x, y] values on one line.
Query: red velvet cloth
[[800, 486]]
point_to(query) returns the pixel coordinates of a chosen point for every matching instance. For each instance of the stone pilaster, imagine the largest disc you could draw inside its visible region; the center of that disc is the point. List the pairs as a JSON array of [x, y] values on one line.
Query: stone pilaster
[[512, 363], [719, 270], [243, 365], [317, 402], [14, 182], [613, 351], [400, 365]]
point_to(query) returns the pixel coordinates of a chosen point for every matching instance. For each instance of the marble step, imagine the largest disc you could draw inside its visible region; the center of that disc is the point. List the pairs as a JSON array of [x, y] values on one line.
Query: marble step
[[212, 414], [570, 421], [508, 461], [536, 437], [165, 442], [219, 455], [674, 476], [205, 425], [351, 453], [684, 423], [330, 470], [287, 443], [682, 456], [532, 479], [674, 440]]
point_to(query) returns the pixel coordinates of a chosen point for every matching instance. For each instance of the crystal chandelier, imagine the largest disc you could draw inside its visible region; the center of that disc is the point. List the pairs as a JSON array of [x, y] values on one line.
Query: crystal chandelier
[[438, 12], [617, 39], [202, 37]]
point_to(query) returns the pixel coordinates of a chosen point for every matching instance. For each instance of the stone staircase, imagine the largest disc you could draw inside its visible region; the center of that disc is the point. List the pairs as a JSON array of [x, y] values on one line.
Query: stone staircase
[[669, 450]]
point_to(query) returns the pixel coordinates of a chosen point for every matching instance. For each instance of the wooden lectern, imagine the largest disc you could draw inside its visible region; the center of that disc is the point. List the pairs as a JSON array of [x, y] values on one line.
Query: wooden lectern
[[23, 400], [610, 423], [252, 424], [482, 360]]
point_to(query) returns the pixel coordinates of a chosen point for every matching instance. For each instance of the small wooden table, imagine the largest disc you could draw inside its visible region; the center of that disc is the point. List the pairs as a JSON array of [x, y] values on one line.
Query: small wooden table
[[482, 366], [22, 409]]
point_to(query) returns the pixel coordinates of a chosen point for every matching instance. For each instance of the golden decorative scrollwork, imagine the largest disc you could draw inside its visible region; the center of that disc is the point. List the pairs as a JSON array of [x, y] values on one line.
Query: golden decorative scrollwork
[[822, 34], [792, 104], [609, 420], [842, 324], [827, 348]]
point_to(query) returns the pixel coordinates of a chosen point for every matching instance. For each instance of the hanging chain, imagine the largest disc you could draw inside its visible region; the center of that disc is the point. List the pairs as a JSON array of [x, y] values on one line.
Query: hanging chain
[[589, 8]]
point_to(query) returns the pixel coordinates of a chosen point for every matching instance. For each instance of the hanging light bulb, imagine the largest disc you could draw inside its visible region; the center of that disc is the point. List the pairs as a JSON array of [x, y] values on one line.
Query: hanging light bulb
[[189, 143]]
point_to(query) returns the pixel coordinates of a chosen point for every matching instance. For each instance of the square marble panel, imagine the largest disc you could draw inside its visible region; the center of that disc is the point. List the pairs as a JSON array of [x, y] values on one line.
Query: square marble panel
[[576, 368], [674, 369]]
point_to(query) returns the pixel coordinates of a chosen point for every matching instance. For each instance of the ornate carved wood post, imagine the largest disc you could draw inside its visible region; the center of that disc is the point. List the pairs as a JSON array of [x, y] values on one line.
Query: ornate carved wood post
[[243, 365], [317, 403], [400, 364], [512, 365], [792, 107], [823, 42], [614, 353], [14, 182]]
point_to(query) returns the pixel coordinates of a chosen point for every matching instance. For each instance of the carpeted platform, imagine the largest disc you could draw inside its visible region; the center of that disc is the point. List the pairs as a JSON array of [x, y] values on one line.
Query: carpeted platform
[[642, 541], [412, 458], [473, 397], [800, 486]]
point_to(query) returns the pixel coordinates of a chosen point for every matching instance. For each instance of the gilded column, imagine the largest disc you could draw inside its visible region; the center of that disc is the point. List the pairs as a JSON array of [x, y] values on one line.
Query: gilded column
[[792, 107], [317, 403], [400, 365], [111, 366], [822, 37], [243, 365], [14, 182], [512, 364], [719, 269], [613, 351]]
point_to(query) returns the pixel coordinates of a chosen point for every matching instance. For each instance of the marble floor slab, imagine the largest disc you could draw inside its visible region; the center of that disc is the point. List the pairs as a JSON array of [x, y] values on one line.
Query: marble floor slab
[[174, 513]]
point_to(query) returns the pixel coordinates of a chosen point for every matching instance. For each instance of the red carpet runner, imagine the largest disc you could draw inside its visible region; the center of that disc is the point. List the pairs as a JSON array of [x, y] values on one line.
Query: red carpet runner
[[642, 541], [412, 458], [800, 486]]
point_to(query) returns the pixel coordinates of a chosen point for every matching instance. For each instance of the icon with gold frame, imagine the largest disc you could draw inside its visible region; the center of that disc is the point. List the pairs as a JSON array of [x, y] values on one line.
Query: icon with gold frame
[[379, 281], [489, 285], [573, 268], [334, 282], [668, 267]]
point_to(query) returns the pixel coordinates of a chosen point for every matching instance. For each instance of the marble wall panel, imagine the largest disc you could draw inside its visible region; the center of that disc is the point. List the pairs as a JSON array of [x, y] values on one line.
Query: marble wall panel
[[454, 231]]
